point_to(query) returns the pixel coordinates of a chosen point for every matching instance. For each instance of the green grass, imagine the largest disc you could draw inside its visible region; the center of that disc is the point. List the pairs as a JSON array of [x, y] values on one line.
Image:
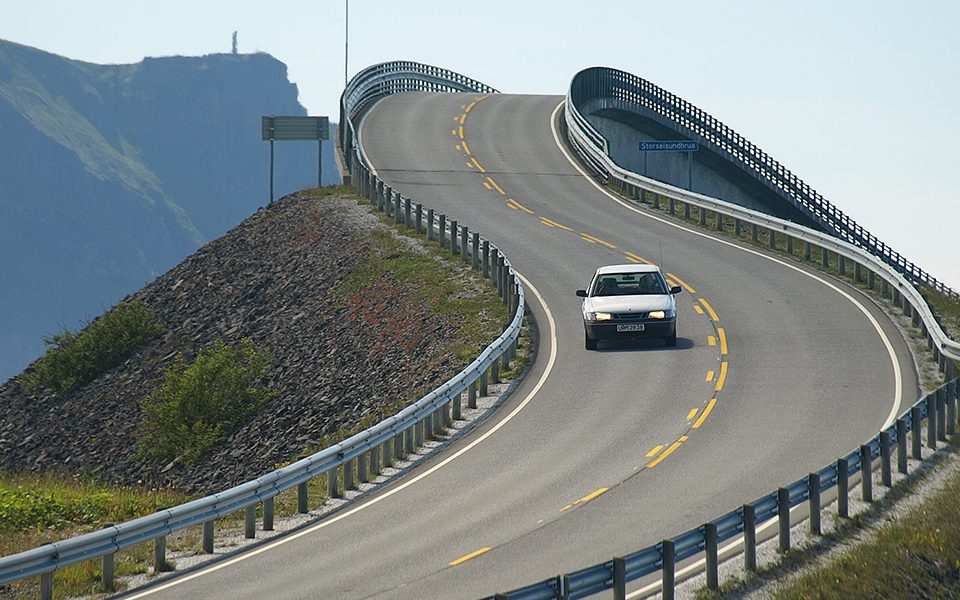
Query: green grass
[[73, 360], [946, 309]]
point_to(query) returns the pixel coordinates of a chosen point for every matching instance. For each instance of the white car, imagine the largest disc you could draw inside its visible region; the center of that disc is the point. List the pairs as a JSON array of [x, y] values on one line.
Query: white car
[[631, 301]]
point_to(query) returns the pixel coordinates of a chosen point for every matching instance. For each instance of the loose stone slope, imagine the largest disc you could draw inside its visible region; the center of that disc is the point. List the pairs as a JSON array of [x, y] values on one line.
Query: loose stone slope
[[271, 279]]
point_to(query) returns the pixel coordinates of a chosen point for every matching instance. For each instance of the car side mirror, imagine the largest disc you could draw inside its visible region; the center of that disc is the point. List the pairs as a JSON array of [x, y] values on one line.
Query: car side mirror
[[676, 289], [582, 293]]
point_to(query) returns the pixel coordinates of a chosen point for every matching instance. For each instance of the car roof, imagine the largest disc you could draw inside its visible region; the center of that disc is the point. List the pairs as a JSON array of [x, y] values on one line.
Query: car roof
[[628, 268]]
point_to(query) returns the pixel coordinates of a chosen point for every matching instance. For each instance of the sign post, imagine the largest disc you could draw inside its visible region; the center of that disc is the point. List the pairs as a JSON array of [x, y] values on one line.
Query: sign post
[[296, 128], [688, 146]]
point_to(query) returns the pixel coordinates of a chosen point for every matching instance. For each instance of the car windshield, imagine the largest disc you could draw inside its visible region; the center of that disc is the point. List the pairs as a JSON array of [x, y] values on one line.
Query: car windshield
[[628, 284]]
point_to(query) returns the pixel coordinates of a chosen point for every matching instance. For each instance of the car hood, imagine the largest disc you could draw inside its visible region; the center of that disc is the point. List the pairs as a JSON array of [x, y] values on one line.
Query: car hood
[[622, 304]]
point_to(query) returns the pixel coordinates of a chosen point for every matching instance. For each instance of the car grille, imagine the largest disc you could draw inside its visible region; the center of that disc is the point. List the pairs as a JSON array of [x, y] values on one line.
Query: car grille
[[631, 316]]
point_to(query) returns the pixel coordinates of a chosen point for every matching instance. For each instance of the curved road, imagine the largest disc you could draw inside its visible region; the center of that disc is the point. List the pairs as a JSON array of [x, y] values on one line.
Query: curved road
[[801, 373]]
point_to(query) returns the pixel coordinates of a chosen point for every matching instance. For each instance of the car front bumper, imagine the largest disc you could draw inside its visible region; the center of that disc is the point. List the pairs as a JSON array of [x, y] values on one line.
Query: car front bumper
[[607, 330]]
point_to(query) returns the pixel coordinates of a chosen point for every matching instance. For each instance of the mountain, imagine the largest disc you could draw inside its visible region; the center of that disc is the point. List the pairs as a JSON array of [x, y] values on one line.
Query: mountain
[[112, 174]]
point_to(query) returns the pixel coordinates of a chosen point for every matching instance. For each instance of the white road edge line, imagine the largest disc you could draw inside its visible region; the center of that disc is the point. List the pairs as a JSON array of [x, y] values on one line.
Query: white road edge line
[[283, 540], [897, 375]]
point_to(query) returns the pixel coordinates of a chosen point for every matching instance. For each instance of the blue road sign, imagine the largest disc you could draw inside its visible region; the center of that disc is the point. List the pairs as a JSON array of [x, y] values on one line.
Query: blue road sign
[[669, 146]]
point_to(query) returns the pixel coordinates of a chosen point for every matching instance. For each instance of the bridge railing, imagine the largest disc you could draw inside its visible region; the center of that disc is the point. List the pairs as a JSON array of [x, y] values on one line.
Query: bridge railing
[[362, 456], [604, 86]]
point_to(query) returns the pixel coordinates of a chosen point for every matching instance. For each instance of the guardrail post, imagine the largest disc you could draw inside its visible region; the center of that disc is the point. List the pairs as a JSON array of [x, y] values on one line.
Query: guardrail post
[[886, 475], [749, 537], [438, 422], [866, 473], [385, 198], [790, 245], [475, 253], [398, 209], [429, 224], [813, 487], [250, 522], [857, 273], [737, 226], [901, 446], [951, 410], [464, 248], [842, 265], [620, 568], [656, 200], [807, 251], [884, 288], [387, 449], [710, 550], [931, 422], [843, 488], [46, 586], [485, 255], [375, 461], [348, 472], [409, 445], [208, 536], [418, 217], [824, 258], [362, 468], [941, 415], [895, 296], [871, 279], [472, 396], [333, 488], [915, 432], [686, 210], [703, 215], [106, 572], [268, 514], [406, 212], [667, 569], [773, 239], [160, 554], [754, 232], [495, 371], [719, 221], [673, 206], [426, 429], [303, 501], [453, 236], [483, 385], [783, 518], [442, 229]]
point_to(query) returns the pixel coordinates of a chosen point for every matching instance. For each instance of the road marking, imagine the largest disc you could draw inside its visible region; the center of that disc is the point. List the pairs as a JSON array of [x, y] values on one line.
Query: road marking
[[595, 240], [516, 205], [653, 452], [699, 310], [711, 340], [472, 104], [585, 499], [467, 557], [476, 164], [693, 412], [470, 164], [453, 132], [552, 223], [466, 148], [487, 185], [685, 285], [637, 258], [551, 360], [667, 452], [463, 118], [722, 377], [671, 282], [458, 146], [461, 132], [497, 187], [710, 375], [706, 412], [723, 340], [706, 305]]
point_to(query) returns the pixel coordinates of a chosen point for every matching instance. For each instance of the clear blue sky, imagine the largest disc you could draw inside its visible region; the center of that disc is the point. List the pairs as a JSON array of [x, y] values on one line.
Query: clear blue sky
[[857, 98]]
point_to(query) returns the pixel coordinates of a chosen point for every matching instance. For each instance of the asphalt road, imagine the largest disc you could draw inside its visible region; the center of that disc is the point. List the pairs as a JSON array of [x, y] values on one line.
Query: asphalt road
[[808, 375]]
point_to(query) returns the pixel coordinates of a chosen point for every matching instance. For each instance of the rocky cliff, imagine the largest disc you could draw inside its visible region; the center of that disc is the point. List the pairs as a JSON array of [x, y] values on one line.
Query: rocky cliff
[[112, 174]]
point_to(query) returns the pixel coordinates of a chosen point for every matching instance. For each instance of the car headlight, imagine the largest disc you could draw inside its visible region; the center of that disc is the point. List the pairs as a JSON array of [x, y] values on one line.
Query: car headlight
[[662, 314], [599, 316]]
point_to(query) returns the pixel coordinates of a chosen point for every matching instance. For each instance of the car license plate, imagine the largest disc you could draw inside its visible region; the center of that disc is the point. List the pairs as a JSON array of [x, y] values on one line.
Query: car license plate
[[630, 327]]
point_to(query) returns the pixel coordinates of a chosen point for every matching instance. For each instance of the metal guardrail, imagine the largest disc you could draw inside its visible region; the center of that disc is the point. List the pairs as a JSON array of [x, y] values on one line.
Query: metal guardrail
[[611, 87], [366, 452], [937, 410]]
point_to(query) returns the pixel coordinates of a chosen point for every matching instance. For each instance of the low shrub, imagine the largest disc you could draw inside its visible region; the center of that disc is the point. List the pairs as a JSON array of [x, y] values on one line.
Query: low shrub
[[198, 405]]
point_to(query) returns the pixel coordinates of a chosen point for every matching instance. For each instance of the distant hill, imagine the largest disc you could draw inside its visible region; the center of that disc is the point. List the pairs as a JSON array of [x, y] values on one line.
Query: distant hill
[[112, 174]]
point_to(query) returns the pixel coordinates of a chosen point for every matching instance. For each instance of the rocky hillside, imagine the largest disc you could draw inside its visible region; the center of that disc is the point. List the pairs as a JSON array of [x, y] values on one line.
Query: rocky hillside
[[112, 174], [275, 279]]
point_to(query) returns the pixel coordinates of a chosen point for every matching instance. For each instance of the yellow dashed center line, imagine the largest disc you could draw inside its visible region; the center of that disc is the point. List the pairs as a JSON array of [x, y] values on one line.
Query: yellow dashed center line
[[706, 412], [723, 340], [595, 240], [706, 305], [693, 412], [461, 132], [463, 118], [667, 452], [496, 187], [470, 164], [710, 375], [653, 452], [517, 206], [552, 223], [685, 285], [712, 340], [453, 132], [487, 185], [477, 165], [699, 310], [723, 376], [636, 258], [467, 557], [585, 499], [467, 109], [465, 147]]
